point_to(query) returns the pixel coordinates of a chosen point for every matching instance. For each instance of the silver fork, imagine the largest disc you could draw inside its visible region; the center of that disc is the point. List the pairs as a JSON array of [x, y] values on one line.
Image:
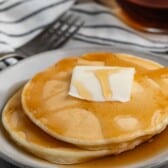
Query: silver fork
[[54, 36]]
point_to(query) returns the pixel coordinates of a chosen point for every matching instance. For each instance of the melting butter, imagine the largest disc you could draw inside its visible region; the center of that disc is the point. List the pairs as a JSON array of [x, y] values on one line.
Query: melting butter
[[102, 83]]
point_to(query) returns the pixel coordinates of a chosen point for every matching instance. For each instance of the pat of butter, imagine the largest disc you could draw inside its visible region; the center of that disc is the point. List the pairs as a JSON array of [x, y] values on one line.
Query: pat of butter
[[102, 83]]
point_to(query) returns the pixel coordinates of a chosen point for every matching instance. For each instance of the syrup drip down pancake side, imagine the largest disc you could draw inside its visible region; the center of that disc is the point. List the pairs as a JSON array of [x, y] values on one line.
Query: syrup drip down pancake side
[[34, 140], [95, 125]]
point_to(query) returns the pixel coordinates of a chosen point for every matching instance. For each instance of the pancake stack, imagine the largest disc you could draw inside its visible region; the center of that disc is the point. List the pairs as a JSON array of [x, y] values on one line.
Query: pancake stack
[[46, 121]]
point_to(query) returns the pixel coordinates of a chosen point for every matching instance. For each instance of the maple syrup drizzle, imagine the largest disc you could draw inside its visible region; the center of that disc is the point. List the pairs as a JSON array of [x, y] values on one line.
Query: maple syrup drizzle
[[103, 77], [82, 90]]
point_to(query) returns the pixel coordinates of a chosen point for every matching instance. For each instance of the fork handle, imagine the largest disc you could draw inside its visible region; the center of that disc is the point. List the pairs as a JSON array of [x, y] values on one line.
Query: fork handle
[[6, 59], [10, 55]]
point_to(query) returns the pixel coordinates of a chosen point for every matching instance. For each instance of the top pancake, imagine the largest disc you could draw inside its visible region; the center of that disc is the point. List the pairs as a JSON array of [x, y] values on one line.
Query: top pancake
[[46, 101]]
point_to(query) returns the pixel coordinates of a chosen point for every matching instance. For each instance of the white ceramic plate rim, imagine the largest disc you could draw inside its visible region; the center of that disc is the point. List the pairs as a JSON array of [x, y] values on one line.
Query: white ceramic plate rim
[[16, 75]]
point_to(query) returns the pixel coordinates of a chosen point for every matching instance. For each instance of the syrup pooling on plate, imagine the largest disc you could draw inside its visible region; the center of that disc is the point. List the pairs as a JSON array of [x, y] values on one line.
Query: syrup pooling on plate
[[59, 113], [141, 153]]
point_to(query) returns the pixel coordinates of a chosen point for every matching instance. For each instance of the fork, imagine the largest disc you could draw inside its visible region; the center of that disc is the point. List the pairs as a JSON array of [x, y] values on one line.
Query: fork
[[54, 36]]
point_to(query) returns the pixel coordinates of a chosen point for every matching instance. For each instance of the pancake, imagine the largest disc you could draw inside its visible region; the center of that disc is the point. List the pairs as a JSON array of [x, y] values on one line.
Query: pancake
[[95, 125], [33, 139]]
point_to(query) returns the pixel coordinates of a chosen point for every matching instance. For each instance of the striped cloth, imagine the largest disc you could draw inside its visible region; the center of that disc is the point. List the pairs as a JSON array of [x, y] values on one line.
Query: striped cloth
[[22, 20], [103, 27]]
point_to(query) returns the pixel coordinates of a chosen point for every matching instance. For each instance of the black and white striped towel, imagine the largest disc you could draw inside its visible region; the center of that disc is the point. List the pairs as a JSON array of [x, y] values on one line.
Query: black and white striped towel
[[21, 20]]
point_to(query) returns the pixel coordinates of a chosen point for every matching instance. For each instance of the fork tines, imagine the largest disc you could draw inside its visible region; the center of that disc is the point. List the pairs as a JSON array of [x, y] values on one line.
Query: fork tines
[[57, 34]]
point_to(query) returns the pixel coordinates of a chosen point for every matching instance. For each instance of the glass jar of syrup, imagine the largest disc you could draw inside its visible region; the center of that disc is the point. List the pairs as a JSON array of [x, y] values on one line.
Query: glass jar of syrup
[[145, 15]]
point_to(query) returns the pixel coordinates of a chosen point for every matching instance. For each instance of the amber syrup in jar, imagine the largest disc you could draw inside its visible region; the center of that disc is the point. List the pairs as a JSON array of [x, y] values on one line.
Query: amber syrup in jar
[[149, 15]]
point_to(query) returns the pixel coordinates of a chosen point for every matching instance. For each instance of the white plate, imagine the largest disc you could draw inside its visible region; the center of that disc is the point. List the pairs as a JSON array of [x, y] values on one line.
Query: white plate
[[13, 77]]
